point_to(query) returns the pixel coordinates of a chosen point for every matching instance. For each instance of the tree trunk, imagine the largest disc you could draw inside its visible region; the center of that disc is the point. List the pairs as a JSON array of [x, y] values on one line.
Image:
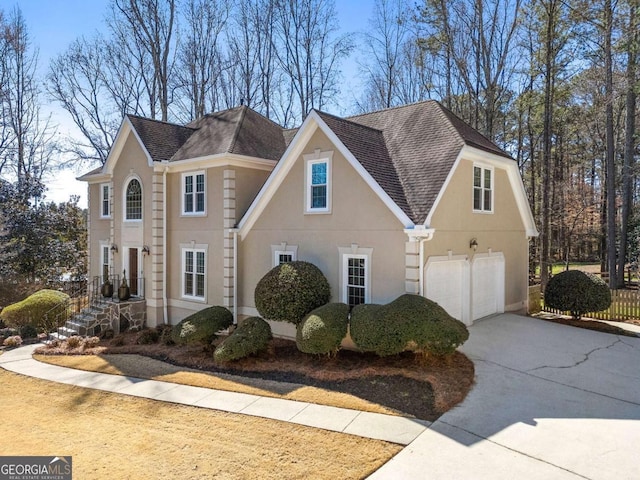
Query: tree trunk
[[610, 147]]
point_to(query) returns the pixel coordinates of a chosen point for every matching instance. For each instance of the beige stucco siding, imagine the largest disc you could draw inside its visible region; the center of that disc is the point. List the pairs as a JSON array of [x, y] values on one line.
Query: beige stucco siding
[[203, 230], [503, 231], [132, 163], [357, 217], [100, 229]]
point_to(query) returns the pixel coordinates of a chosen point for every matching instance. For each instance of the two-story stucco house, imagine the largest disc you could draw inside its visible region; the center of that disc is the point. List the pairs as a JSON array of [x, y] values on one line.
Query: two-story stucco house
[[408, 199]]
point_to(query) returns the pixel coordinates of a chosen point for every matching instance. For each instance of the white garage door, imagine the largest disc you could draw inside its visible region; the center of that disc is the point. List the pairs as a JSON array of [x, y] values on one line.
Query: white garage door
[[487, 284], [447, 284]]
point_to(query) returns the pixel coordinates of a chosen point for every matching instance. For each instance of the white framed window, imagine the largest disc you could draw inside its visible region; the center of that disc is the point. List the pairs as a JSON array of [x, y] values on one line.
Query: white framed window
[[318, 182], [482, 189], [105, 200], [283, 253], [194, 193], [133, 200], [105, 260], [194, 276], [355, 275]]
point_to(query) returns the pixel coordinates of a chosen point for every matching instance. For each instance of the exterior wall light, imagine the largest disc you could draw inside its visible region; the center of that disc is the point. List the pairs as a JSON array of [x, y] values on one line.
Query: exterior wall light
[[473, 244], [146, 250], [114, 248]]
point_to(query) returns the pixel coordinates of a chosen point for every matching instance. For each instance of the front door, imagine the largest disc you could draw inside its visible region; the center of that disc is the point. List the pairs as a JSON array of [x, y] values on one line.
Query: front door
[[133, 271]]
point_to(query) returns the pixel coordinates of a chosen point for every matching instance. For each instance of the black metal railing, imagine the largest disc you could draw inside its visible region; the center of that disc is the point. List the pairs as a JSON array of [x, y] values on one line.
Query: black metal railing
[[58, 315], [94, 294]]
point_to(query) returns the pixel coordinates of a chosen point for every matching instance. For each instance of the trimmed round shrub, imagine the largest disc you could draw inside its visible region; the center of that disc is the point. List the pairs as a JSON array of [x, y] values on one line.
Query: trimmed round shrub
[[323, 329], [410, 322], [202, 326], [290, 291], [251, 336], [577, 292], [32, 309], [28, 331]]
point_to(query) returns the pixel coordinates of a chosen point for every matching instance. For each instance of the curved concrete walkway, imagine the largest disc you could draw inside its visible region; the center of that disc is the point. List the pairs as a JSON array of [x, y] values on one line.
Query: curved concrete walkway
[[390, 428], [550, 402]]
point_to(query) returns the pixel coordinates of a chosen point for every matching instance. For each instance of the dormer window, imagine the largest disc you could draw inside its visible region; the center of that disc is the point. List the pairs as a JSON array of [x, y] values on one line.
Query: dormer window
[[133, 200]]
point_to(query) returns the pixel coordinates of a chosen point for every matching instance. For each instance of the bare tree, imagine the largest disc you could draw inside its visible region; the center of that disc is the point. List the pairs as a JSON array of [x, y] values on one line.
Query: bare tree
[[476, 38], [387, 45], [309, 53], [148, 26], [76, 80], [29, 145], [199, 58]]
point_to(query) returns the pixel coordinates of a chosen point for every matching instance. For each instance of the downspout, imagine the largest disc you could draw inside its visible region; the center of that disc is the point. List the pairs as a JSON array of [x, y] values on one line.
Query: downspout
[[234, 231], [165, 309]]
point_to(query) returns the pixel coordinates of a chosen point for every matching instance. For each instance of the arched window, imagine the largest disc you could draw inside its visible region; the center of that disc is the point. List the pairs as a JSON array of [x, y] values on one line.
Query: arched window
[[133, 202]]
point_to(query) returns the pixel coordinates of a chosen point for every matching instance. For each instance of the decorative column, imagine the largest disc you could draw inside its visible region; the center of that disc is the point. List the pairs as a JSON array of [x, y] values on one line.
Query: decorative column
[[155, 288], [229, 222], [412, 267]]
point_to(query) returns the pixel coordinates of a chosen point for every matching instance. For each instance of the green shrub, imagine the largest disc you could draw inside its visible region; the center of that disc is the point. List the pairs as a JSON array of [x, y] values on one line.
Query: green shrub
[[291, 290], [410, 322], [251, 337], [164, 334], [577, 292], [28, 331], [148, 337], [323, 329], [32, 309], [202, 326]]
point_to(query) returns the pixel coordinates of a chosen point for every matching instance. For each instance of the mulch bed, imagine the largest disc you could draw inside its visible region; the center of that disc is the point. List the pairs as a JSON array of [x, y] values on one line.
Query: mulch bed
[[586, 323], [406, 383]]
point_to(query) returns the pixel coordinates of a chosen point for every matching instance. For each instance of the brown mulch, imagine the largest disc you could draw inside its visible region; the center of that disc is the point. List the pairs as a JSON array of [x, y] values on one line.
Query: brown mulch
[[587, 324], [407, 383]]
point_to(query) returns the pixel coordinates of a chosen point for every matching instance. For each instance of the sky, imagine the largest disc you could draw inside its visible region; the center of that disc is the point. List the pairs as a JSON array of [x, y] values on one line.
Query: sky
[[55, 24]]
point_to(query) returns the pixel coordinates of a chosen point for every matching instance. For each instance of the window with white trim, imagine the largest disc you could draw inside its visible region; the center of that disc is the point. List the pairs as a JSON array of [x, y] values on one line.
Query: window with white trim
[[194, 267], [133, 200], [193, 193], [482, 189], [318, 182], [355, 278], [105, 261], [283, 253], [105, 200]]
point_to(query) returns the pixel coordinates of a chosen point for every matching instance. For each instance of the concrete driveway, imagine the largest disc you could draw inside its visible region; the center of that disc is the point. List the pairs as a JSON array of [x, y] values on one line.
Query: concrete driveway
[[550, 401]]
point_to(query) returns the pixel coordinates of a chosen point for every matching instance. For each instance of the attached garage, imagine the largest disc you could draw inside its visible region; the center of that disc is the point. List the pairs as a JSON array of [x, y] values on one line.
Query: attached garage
[[467, 290]]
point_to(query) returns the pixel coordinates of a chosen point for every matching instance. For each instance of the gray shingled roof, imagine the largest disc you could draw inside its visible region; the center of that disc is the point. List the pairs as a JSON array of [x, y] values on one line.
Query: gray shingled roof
[[409, 150], [161, 139], [239, 130]]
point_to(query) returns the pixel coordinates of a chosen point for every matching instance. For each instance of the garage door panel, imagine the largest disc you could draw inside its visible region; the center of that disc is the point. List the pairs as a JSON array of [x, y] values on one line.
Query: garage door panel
[[487, 285], [446, 283]]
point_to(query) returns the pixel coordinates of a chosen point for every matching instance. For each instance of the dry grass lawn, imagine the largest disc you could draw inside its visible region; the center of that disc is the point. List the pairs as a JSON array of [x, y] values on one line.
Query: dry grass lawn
[[117, 436], [149, 368]]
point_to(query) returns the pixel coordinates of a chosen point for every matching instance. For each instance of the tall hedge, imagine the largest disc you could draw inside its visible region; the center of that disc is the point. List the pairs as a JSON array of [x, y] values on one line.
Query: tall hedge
[[410, 322], [577, 292], [202, 326], [291, 290], [322, 331], [32, 309]]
